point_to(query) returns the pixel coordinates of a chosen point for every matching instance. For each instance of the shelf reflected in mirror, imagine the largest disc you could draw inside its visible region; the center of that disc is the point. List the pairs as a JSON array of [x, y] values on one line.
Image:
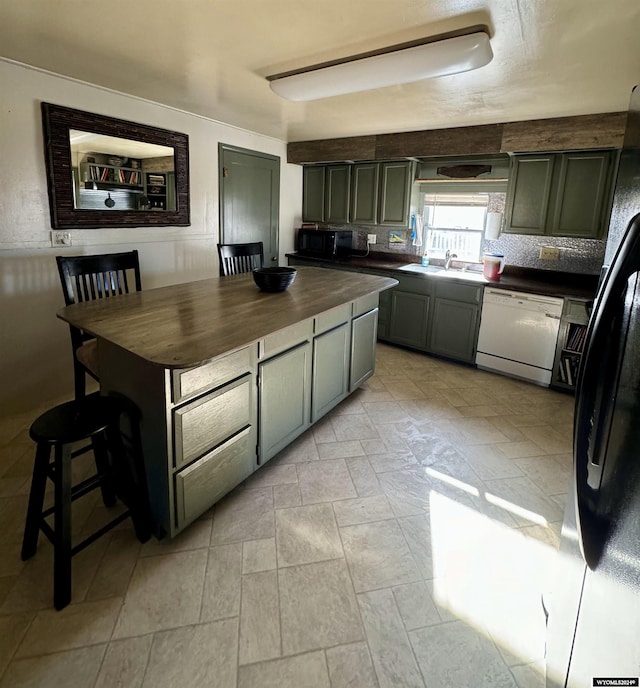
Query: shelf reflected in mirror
[[121, 174]]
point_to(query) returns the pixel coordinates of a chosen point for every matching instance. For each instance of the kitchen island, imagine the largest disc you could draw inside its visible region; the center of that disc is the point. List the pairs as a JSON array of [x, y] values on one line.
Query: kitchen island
[[221, 376]]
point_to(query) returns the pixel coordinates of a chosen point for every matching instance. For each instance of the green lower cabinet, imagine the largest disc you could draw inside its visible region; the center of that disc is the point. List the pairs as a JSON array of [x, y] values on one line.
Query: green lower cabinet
[[330, 370], [284, 399], [454, 329], [384, 314], [363, 348], [433, 315], [409, 319]]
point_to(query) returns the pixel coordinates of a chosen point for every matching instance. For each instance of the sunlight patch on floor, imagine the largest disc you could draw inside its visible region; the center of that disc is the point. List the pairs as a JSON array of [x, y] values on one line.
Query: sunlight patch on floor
[[491, 576], [515, 509]]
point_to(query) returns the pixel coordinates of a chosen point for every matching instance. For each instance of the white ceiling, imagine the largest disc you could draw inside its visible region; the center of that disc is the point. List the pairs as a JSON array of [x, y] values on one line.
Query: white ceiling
[[209, 57]]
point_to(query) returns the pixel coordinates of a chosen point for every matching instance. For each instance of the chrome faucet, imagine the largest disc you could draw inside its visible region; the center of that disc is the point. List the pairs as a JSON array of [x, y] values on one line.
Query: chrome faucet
[[448, 257]]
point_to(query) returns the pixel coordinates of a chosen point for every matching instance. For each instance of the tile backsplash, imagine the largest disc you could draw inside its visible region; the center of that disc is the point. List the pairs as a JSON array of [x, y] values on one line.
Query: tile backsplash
[[576, 255], [584, 256]]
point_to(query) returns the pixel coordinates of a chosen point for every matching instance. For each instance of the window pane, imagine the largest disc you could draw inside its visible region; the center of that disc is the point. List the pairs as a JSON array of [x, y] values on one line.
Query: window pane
[[458, 217]]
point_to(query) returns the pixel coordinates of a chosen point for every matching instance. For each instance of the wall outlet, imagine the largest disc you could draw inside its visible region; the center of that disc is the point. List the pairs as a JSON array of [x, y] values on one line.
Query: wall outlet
[[549, 253], [372, 239], [61, 239]]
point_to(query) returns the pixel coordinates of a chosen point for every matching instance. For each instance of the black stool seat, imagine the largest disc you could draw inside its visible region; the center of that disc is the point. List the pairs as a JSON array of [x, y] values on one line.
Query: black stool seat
[[96, 419], [75, 421]]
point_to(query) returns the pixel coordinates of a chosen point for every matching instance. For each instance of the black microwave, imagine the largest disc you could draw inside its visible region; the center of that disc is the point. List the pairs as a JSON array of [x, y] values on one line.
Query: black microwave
[[330, 243]]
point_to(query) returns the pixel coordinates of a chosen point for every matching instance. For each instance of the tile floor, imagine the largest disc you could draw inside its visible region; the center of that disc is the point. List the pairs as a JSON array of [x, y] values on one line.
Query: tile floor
[[403, 541]]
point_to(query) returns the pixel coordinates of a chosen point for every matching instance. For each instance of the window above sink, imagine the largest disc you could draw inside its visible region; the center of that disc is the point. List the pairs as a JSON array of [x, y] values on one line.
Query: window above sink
[[456, 221]]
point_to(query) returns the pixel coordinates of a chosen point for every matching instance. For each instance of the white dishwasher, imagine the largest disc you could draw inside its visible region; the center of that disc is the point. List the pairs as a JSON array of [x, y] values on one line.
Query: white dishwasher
[[518, 334]]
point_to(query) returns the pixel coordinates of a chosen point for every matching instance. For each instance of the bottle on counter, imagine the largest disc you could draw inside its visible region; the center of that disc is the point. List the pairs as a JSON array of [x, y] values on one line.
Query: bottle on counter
[[425, 260]]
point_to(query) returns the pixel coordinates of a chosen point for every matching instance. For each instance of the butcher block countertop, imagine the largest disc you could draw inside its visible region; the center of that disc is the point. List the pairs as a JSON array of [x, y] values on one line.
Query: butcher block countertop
[[184, 325], [546, 282]]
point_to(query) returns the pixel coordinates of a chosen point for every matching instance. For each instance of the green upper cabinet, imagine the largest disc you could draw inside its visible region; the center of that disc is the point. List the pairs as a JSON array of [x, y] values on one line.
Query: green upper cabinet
[[560, 194], [396, 179], [528, 194], [375, 193], [364, 193], [338, 185], [313, 194], [582, 194]]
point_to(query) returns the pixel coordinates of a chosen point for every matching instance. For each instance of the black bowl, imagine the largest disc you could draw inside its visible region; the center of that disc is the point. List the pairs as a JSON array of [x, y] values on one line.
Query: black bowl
[[274, 279]]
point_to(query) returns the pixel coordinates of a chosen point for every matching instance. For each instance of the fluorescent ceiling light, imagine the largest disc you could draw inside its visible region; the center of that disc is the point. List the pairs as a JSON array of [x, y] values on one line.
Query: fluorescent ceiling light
[[399, 64]]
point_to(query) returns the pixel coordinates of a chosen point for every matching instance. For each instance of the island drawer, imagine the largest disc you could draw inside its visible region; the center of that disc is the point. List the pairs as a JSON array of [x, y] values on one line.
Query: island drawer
[[328, 320], [365, 304], [199, 486], [286, 339], [208, 421], [186, 383]]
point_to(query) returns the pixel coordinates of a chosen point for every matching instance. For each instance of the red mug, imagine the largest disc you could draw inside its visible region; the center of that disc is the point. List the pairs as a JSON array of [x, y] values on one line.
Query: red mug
[[493, 266]]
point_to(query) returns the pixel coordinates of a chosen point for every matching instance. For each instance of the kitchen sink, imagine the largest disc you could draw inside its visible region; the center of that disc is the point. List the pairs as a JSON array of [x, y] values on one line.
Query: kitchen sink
[[439, 271]]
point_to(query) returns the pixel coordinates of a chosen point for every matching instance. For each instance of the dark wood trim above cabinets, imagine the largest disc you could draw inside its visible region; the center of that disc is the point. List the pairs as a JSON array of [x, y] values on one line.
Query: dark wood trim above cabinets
[[333, 150], [456, 141], [565, 133], [582, 132]]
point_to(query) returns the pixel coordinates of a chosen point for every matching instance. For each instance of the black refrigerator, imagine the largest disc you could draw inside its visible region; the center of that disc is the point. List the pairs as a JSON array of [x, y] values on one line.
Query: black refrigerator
[[593, 632]]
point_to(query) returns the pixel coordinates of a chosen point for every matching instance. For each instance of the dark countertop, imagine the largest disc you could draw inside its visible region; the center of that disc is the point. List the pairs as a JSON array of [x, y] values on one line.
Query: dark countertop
[[546, 282]]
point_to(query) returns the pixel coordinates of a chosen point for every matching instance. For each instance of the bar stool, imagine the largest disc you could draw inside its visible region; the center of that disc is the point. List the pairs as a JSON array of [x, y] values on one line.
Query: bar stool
[[94, 418]]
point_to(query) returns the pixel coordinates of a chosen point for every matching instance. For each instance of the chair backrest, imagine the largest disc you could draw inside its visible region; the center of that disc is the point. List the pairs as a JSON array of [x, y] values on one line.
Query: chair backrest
[[86, 278], [238, 258]]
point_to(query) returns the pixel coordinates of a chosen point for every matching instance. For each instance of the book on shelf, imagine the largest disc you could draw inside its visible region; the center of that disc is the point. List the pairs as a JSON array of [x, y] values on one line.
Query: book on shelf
[[576, 339], [562, 373], [567, 366]]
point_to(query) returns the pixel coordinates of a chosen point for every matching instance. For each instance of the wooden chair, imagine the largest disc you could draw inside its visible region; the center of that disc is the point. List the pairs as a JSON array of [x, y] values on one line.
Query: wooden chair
[[86, 278], [239, 258]]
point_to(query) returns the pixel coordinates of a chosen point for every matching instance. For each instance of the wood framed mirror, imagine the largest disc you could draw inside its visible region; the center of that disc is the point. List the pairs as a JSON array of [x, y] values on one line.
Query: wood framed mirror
[[107, 172]]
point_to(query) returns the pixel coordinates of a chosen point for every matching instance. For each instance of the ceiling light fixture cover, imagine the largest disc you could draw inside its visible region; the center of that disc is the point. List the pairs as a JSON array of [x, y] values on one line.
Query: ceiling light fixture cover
[[397, 66]]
